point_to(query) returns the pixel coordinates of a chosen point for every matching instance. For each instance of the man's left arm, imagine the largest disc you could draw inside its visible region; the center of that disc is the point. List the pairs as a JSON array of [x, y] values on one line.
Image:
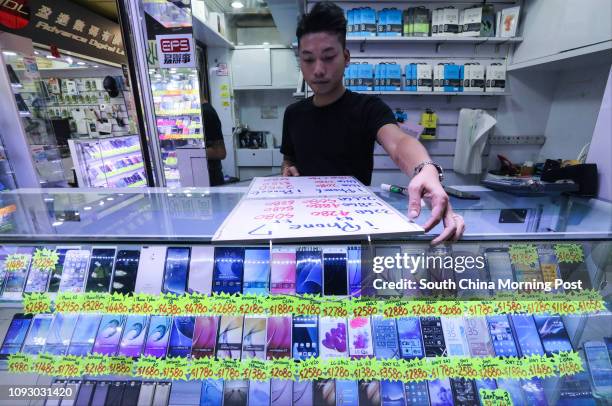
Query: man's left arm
[[408, 153]]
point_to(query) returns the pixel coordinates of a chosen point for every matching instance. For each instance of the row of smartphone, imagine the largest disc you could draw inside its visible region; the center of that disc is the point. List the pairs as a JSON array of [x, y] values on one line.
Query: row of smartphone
[[300, 337], [213, 392], [329, 271]]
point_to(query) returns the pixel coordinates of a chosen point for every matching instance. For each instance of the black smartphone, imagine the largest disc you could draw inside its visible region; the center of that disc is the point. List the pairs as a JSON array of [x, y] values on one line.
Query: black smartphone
[[126, 268], [115, 393], [335, 272], [177, 270], [433, 336], [85, 393], [100, 269], [130, 393], [100, 393]]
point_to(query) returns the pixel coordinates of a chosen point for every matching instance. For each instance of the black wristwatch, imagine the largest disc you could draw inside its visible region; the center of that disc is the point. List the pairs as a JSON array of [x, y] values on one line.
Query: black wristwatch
[[420, 167]]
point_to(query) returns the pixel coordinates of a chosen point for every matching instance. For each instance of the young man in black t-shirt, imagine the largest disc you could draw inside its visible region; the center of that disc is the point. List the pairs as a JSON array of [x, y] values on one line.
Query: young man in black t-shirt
[[333, 132], [215, 147]]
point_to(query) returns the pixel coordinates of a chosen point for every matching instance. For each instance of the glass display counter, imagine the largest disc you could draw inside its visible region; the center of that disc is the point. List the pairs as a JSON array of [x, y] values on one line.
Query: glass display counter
[[135, 244]]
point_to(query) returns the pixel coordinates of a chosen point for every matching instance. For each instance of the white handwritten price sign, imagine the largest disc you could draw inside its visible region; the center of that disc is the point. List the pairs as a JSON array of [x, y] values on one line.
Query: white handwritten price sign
[[298, 217], [305, 186]]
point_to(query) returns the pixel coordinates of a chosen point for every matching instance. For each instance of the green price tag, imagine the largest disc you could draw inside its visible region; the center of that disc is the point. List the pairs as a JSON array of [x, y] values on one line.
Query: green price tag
[[118, 303], [394, 308], [227, 368], [525, 254], [201, 368], [364, 307], [513, 368], [45, 259], [334, 308], [279, 305], [467, 368], [254, 370], [34, 303], [19, 363], [440, 368], [94, 302], [497, 397], [365, 369], [282, 368], [143, 303], [539, 366], [120, 365], [224, 304], [68, 302], [310, 370], [337, 368], [175, 368], [95, 365], [491, 368], [480, 308], [69, 366], [16, 262], [197, 304], [569, 253], [308, 305], [251, 304], [44, 364], [149, 367], [568, 363], [415, 370], [169, 305], [391, 369]]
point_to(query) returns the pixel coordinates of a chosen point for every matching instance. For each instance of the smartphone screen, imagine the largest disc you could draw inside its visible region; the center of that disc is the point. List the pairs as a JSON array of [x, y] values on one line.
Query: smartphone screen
[[347, 393], [158, 335], [464, 391], [133, 336], [473, 271], [454, 336], [16, 334], [229, 341], [526, 334], [513, 386], [527, 273], [184, 393], [176, 271], [228, 270], [488, 384], [204, 336], [416, 393], [549, 265], [56, 274], [84, 335], [201, 269], [369, 393], [100, 393], [335, 277], [37, 335], [392, 393], [388, 274], [212, 392], [100, 269], [354, 270], [115, 393], [109, 334], [332, 337], [74, 273], [324, 392], [256, 271], [477, 333], [60, 334], [415, 273], [130, 393], [410, 339], [361, 343], [533, 391], [259, 393], [303, 393], [181, 336], [282, 271], [126, 268], [150, 275], [37, 280], [499, 265], [438, 272], [254, 337], [162, 393], [553, 334], [305, 333], [85, 394], [433, 336], [309, 270], [440, 393], [599, 366], [385, 338], [576, 390], [502, 337], [278, 337], [235, 393], [572, 272], [15, 279]]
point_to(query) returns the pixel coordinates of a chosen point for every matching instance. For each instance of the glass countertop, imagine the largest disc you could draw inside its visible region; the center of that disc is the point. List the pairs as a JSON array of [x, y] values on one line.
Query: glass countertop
[[194, 214]]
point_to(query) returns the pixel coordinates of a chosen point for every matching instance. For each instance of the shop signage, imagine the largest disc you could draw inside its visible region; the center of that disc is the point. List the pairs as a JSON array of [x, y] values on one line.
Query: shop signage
[[175, 51], [64, 24]]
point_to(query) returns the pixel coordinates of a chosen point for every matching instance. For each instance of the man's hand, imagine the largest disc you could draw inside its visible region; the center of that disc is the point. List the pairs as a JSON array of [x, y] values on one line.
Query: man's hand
[[288, 169], [426, 185]]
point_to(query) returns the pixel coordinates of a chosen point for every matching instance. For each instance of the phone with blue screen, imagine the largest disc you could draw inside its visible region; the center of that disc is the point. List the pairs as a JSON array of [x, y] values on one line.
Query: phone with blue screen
[[37, 335], [433, 336], [335, 278], [228, 270], [259, 393], [417, 393], [386, 343], [533, 391], [309, 271], [176, 271], [526, 334], [502, 337], [256, 271], [181, 336], [410, 339], [440, 393], [211, 393], [16, 334], [84, 335], [347, 393], [354, 270], [60, 333], [553, 334], [464, 392], [392, 393], [303, 393]]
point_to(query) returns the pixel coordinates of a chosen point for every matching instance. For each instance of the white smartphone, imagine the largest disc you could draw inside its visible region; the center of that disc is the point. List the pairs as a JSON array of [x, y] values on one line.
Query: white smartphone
[[600, 367], [150, 275], [201, 269], [74, 274]]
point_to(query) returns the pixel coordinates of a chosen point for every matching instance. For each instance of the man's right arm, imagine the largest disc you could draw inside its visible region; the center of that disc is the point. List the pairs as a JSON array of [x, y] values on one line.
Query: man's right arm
[[288, 167]]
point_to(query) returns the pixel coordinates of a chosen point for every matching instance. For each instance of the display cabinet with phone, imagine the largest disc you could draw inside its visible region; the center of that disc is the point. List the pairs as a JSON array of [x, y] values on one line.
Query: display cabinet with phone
[[170, 253]]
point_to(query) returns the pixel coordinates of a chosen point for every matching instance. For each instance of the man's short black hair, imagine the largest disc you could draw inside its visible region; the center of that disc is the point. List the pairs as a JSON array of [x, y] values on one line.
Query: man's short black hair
[[324, 17]]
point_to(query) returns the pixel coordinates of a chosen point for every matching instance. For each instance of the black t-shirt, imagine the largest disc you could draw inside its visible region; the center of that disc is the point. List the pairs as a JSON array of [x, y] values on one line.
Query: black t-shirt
[[212, 132], [337, 139]]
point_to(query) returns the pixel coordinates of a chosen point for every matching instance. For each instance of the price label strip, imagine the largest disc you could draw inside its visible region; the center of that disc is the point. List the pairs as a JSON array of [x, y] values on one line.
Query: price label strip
[[495, 397], [148, 367], [35, 303], [202, 368], [20, 363], [175, 368]]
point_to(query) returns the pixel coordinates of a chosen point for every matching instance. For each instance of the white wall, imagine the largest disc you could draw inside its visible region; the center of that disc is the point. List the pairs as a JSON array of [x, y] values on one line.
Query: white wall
[[573, 112], [215, 56], [601, 145], [257, 36]]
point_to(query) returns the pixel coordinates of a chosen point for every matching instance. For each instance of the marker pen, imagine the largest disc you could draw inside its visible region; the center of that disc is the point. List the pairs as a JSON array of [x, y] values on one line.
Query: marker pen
[[394, 189]]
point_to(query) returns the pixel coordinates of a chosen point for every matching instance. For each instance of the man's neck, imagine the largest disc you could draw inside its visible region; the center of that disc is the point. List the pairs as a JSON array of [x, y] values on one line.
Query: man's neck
[[321, 100]]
